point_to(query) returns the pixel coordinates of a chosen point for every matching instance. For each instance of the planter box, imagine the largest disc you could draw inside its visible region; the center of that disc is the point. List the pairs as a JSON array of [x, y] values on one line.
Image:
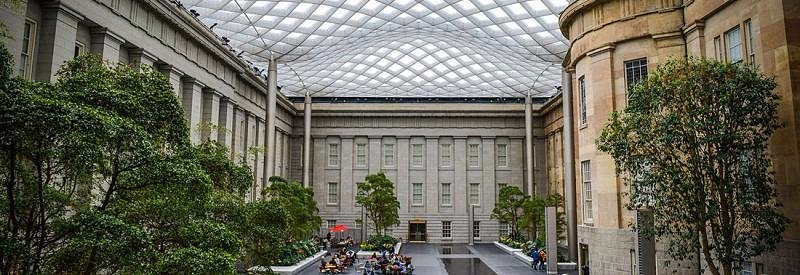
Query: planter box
[[365, 254], [506, 248], [522, 257], [293, 269]]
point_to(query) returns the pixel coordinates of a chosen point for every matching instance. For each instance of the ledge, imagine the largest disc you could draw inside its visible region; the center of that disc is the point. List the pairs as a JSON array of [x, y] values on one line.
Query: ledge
[[292, 269], [506, 248]]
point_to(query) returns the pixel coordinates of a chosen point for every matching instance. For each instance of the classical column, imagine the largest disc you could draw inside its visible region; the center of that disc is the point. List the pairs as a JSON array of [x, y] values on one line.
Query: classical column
[[192, 106], [569, 167], [105, 44], [272, 89], [174, 76], [225, 122], [529, 144], [210, 116], [59, 28], [552, 240], [307, 141], [138, 57]]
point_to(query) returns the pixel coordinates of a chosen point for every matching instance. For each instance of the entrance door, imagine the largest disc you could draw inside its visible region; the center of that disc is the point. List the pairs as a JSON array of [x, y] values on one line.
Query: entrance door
[[417, 232]]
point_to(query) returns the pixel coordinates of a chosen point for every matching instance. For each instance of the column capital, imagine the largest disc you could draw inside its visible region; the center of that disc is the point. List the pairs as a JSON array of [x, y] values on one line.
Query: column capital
[[57, 5], [106, 33], [169, 69], [192, 81]]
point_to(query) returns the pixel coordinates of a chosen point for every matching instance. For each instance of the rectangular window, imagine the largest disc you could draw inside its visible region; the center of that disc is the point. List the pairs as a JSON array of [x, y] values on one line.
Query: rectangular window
[[333, 154], [330, 223], [733, 42], [447, 229], [719, 52], [476, 229], [474, 193], [416, 155], [333, 193], [446, 195], [474, 155], [445, 155], [80, 48], [388, 155], [582, 102], [504, 229], [28, 44], [635, 71], [416, 194], [751, 46], [747, 268], [586, 177], [361, 155], [357, 224], [502, 155]]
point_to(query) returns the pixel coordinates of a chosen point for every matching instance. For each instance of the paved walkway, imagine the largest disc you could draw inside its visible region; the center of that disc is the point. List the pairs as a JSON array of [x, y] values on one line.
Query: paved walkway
[[456, 259]]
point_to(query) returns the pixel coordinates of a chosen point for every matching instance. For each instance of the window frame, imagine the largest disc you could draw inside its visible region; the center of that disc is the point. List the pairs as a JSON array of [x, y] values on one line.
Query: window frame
[[477, 194], [447, 229], [583, 116], [586, 188], [476, 230], [730, 46], [362, 156], [334, 194], [389, 147], [503, 157], [449, 194], [632, 67], [474, 157], [748, 33], [417, 158], [334, 154], [445, 160], [28, 53], [414, 194], [80, 49]]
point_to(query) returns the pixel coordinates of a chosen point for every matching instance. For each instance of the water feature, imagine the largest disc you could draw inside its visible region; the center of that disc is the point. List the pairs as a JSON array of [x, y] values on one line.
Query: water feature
[[466, 266]]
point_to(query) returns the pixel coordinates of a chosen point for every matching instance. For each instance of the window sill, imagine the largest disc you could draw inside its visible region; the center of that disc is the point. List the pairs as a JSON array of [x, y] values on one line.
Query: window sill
[[583, 126]]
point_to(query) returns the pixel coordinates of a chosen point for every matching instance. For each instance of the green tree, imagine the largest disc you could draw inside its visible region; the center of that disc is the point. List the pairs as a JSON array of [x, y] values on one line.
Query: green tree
[[377, 196], [509, 207], [532, 220], [299, 203], [692, 146]]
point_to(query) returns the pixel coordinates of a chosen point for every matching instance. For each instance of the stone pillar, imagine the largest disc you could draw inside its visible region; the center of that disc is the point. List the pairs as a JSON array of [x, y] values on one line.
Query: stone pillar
[[174, 75], [569, 167], [58, 30], [225, 122], [529, 145], [307, 141], [552, 240], [645, 246], [192, 106], [210, 116], [272, 89], [260, 142], [138, 57], [106, 44]]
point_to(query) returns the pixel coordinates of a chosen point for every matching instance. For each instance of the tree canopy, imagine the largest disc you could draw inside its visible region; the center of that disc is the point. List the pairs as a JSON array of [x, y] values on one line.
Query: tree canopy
[[99, 176], [377, 196], [692, 146]]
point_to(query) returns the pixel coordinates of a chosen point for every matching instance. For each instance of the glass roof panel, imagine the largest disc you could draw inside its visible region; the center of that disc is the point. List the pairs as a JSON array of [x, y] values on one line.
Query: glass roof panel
[[407, 48]]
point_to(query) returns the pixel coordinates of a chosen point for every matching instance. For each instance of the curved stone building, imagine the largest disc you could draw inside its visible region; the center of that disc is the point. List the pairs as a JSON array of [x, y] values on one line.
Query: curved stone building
[[613, 44]]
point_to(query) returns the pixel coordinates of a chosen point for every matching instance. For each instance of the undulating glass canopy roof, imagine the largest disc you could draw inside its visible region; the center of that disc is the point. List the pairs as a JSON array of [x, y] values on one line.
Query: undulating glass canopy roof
[[405, 48]]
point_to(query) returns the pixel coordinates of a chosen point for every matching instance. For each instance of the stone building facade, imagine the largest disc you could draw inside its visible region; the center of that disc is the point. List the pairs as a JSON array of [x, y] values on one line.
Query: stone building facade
[[215, 86], [485, 140], [614, 43]]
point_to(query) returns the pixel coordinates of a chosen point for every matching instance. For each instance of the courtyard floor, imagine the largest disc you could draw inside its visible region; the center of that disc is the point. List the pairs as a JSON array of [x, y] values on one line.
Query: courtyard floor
[[456, 259]]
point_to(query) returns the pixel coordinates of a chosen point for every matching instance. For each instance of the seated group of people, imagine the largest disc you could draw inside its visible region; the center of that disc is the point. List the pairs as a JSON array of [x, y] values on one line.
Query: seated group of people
[[338, 262], [330, 241], [391, 264]]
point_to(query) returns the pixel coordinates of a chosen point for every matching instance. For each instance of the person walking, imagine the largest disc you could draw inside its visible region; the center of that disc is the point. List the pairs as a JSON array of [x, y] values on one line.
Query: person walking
[[542, 259], [535, 256]]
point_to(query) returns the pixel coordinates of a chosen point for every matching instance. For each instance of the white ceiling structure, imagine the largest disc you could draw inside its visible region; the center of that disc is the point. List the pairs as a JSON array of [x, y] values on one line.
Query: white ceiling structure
[[404, 48]]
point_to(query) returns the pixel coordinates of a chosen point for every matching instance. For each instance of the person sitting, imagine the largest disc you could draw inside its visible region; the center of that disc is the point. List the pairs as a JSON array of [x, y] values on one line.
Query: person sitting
[[322, 267], [374, 257], [332, 267], [368, 268], [409, 268]]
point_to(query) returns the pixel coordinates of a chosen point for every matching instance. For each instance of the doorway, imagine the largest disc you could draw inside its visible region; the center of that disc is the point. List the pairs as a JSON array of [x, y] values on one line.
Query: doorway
[[417, 231]]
